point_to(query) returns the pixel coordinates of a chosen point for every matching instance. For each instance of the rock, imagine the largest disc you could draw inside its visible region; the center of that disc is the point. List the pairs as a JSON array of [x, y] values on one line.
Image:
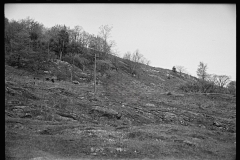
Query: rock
[[47, 71], [170, 116], [120, 149], [94, 154], [92, 149], [201, 126], [217, 124], [15, 102], [67, 116], [27, 115], [39, 117], [168, 93], [150, 105], [105, 112], [189, 143], [20, 107], [75, 82]]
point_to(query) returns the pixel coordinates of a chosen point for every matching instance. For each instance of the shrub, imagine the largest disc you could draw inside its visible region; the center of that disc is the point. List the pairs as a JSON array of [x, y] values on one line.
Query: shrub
[[199, 86], [103, 66], [190, 87], [232, 87], [67, 58]]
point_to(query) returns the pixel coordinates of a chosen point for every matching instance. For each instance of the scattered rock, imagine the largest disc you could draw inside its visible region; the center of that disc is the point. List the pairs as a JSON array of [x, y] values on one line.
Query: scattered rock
[[14, 102], [94, 150]]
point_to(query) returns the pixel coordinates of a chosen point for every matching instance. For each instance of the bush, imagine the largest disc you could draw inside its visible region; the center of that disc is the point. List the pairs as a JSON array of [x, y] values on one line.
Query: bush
[[190, 87], [67, 58], [103, 66], [29, 60], [200, 86], [232, 87], [13, 59]]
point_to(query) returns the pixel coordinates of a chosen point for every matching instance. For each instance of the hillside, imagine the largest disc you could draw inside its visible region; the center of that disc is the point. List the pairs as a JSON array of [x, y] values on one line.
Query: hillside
[[130, 117]]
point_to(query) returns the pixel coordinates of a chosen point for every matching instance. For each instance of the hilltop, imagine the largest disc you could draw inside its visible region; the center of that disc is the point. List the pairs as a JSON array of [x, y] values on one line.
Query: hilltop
[[131, 116]]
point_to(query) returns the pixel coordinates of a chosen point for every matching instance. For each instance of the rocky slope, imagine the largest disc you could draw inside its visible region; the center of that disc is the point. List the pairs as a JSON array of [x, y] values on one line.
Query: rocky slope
[[129, 117]]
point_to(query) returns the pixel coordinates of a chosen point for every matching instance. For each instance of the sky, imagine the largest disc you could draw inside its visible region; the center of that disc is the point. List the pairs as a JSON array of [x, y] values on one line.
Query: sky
[[166, 34]]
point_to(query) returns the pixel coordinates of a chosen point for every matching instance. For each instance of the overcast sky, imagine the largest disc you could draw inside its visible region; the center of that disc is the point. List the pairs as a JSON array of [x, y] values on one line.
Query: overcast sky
[[166, 34]]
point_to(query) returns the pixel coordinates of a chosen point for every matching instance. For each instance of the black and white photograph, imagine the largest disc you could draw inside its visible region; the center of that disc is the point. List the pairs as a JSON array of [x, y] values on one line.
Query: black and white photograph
[[120, 81]]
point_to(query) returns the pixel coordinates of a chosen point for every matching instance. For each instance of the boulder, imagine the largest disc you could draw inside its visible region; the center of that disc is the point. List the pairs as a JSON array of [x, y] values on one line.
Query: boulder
[[105, 112]]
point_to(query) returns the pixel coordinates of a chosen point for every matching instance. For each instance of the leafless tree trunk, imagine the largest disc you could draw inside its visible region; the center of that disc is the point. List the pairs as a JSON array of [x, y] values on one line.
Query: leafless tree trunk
[[61, 51], [95, 75]]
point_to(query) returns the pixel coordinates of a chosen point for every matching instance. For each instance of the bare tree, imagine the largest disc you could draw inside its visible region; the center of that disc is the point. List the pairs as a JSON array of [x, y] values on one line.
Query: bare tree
[[145, 61], [127, 56], [222, 80], [180, 69], [129, 60], [134, 60], [136, 57], [105, 34], [213, 78], [219, 80], [85, 39], [202, 71]]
